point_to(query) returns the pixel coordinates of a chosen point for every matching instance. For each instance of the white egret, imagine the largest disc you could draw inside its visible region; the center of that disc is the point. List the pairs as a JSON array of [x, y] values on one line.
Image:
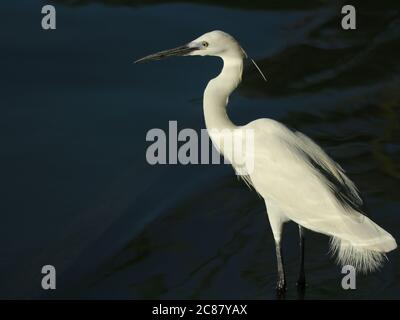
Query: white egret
[[298, 181]]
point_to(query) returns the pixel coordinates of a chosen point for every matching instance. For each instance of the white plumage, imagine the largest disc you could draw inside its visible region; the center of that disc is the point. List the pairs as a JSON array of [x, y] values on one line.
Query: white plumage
[[296, 178], [304, 185]]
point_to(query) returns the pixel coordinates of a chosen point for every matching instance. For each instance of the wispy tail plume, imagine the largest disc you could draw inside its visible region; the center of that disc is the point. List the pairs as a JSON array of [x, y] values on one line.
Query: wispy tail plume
[[364, 246]]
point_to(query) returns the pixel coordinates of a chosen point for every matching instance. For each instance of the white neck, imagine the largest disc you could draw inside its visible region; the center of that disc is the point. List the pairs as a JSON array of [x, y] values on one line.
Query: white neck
[[217, 93]]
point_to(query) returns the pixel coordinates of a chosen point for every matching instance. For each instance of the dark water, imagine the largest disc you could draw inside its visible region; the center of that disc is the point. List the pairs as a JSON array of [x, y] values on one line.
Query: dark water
[[77, 192]]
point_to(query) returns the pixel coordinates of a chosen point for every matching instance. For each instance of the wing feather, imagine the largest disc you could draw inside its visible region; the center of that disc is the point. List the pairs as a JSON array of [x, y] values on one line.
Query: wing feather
[[344, 189], [293, 171]]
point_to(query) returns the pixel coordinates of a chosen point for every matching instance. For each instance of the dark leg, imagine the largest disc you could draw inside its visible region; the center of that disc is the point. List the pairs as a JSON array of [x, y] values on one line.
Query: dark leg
[[301, 282], [281, 283]]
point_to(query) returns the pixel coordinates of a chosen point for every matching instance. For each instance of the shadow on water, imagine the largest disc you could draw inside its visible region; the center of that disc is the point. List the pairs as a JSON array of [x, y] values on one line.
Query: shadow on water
[[197, 232]]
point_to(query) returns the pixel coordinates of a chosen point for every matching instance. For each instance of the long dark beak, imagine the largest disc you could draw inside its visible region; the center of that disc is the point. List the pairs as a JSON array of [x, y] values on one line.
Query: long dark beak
[[180, 51]]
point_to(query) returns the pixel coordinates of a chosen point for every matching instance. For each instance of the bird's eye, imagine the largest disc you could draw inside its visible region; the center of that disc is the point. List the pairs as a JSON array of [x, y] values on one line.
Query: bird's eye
[[205, 44]]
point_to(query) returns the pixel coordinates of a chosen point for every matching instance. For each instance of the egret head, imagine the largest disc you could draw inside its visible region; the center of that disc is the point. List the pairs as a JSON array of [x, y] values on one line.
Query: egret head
[[214, 43]]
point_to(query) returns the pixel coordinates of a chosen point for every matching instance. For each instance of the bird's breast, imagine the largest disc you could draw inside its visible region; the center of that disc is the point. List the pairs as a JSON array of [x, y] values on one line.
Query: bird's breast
[[237, 146]]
